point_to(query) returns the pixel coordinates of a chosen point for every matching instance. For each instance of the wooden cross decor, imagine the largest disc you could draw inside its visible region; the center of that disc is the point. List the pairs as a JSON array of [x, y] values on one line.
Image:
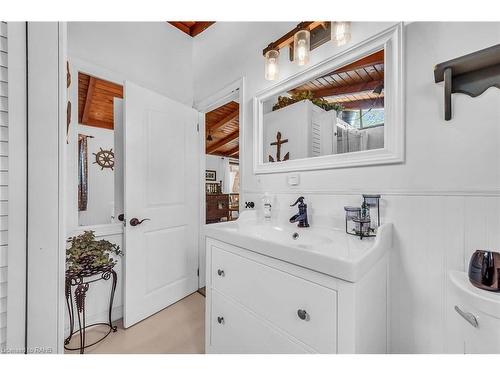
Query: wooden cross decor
[[278, 144]]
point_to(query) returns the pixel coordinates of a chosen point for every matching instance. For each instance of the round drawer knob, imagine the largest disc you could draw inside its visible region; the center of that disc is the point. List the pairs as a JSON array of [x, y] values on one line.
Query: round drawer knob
[[220, 273], [220, 319], [303, 315]]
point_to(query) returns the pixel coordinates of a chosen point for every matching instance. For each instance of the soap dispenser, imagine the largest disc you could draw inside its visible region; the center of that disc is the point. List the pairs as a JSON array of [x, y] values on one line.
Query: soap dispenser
[[266, 200]]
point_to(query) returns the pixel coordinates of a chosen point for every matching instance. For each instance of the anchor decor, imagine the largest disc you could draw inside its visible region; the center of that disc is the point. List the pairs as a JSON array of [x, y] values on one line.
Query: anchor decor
[[278, 144]]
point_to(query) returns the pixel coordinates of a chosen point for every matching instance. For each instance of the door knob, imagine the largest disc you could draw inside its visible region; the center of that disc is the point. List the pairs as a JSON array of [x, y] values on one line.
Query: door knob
[[220, 319], [135, 221], [303, 315], [220, 273], [121, 217]]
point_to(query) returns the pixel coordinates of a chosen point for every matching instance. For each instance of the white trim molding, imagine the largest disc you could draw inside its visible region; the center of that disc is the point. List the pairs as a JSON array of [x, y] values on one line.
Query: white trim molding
[[472, 192], [391, 41], [234, 91]]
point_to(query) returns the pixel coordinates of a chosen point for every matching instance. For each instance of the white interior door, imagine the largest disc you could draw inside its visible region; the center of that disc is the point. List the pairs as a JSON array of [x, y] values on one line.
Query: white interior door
[[161, 185]]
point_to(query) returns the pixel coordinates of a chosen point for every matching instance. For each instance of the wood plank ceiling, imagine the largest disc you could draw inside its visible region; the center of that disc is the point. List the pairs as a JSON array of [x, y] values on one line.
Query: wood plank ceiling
[[192, 28], [223, 126], [351, 85], [95, 101]]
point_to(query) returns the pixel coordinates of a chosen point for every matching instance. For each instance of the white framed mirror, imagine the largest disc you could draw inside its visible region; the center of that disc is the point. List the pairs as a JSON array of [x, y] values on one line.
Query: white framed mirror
[[346, 111]]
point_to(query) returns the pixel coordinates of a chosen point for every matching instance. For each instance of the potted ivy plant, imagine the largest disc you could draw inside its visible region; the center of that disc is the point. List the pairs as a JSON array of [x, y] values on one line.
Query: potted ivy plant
[[87, 256]]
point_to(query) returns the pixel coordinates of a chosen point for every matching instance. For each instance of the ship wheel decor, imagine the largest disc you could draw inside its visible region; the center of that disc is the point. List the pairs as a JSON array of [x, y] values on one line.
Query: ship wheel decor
[[105, 158]]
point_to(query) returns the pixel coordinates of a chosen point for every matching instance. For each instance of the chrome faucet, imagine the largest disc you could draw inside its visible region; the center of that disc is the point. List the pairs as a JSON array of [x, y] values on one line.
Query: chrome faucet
[[301, 217]]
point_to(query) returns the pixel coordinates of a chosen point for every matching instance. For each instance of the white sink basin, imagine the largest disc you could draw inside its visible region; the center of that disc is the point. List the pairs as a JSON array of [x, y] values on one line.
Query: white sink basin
[[330, 251]]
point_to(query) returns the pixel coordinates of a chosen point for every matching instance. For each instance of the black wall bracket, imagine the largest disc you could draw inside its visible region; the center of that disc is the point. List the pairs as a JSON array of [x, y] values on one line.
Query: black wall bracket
[[471, 74]]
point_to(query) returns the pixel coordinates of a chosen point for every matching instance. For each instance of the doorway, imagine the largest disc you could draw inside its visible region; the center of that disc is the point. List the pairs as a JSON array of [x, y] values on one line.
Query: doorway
[[222, 175], [106, 198], [222, 148]]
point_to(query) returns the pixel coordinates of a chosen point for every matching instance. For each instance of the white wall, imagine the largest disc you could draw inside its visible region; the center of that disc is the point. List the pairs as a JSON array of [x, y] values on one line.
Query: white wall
[[216, 163], [154, 55], [101, 182], [444, 200]]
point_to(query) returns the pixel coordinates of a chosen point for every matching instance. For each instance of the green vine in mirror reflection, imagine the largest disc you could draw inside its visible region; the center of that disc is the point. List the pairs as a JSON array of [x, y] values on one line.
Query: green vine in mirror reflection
[[284, 101]]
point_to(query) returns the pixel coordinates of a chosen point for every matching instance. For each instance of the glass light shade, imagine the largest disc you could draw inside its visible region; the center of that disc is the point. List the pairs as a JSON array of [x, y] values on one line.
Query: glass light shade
[[301, 47], [272, 67], [341, 33]]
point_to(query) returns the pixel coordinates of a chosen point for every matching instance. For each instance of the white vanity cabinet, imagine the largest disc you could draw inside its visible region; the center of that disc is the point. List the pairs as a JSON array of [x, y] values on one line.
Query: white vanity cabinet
[[473, 324], [259, 304]]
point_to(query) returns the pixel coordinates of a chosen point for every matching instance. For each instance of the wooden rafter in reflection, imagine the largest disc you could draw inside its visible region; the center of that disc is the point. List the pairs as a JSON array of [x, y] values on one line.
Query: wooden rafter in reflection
[[370, 60], [343, 90], [224, 141], [88, 100], [233, 115], [233, 151]]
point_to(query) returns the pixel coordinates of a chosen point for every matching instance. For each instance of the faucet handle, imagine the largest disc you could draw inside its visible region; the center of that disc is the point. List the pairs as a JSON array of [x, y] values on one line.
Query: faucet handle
[[299, 199]]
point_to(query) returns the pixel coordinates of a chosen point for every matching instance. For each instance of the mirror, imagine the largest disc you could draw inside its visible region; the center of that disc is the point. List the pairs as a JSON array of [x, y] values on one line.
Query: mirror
[[338, 112], [345, 111], [96, 149]]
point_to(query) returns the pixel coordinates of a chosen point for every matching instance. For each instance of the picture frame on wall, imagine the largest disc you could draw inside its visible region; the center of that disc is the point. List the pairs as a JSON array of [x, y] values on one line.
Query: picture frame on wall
[[210, 175]]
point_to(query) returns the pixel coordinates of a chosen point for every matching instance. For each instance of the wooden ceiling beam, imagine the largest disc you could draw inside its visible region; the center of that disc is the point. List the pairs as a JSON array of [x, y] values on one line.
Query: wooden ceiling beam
[[199, 27], [181, 26], [364, 104], [192, 28], [219, 124], [343, 90], [88, 100], [224, 141]]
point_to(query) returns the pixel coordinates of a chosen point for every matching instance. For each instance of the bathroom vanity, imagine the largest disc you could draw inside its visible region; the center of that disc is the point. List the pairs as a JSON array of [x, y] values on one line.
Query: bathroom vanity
[[282, 289]]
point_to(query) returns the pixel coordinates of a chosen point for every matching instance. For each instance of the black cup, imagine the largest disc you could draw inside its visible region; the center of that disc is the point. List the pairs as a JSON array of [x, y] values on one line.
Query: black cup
[[484, 270]]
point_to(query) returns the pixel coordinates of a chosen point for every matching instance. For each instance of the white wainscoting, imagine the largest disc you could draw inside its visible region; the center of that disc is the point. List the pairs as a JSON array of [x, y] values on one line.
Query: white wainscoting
[[433, 234]]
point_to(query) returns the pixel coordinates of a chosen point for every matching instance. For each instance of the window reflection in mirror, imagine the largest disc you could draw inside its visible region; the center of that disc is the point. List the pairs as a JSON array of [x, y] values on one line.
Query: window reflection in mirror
[[341, 111], [96, 149]]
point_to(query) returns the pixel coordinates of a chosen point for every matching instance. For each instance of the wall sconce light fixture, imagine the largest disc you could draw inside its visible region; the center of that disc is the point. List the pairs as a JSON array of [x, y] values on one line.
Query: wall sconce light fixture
[[272, 67], [305, 37], [341, 33], [301, 47]]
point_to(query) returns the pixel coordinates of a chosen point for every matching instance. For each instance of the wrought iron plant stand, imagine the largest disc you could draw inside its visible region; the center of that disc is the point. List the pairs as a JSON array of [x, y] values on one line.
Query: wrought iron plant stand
[[80, 282]]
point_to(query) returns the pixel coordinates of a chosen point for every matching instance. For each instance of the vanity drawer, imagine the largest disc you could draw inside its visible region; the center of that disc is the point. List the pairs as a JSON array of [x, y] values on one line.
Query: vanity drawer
[[236, 330], [278, 296]]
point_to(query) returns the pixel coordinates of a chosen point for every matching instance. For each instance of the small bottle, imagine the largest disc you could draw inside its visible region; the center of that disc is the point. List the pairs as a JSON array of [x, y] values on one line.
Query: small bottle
[[267, 206]]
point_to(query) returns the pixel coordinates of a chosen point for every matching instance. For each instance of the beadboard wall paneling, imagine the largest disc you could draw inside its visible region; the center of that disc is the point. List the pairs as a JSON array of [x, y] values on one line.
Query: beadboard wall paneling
[[432, 235], [4, 167]]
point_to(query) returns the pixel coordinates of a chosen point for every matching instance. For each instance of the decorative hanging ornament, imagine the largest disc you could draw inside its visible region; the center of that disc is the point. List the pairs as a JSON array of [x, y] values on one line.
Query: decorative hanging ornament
[[105, 158]]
